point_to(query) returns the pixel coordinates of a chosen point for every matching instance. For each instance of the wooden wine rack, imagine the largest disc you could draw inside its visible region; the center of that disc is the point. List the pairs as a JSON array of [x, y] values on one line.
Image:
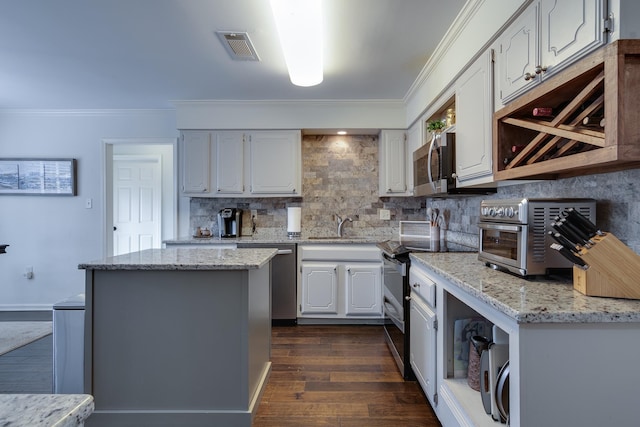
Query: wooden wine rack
[[606, 83]]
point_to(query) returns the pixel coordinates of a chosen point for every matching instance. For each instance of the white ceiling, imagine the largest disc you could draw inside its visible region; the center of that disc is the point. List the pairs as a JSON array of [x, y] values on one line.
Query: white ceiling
[[78, 54]]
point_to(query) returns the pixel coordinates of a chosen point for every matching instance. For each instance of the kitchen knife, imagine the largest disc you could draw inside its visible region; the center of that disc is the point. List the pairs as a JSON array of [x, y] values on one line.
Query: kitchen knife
[[582, 222], [569, 255], [564, 241], [569, 234], [583, 236]]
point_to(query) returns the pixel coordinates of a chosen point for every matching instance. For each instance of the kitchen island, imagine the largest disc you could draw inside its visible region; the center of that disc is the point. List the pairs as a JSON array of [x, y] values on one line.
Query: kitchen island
[[572, 358], [178, 336]]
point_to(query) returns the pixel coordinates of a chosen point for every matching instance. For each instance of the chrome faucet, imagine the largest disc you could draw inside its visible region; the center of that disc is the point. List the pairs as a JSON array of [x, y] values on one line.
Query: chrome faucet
[[341, 223]]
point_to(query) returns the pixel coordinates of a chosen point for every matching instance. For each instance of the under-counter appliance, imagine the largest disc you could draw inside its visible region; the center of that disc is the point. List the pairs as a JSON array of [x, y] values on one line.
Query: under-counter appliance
[[397, 293], [514, 233], [230, 222], [68, 345], [284, 296], [434, 171]]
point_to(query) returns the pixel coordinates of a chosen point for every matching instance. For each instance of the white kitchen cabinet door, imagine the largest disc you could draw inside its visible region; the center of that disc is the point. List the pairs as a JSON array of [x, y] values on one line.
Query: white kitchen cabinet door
[[229, 162], [568, 30], [474, 109], [196, 157], [422, 346], [363, 289], [518, 55], [392, 162], [548, 36], [319, 288], [275, 162]]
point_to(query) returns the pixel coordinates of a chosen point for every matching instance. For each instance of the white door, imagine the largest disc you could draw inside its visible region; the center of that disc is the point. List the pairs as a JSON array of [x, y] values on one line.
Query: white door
[[137, 189]]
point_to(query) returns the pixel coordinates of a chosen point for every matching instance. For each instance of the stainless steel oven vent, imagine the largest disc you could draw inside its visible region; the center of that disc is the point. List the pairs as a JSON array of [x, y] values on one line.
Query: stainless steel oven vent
[[239, 45]]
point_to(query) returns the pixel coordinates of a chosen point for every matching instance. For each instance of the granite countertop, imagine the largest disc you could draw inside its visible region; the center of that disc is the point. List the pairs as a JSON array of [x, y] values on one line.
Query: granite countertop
[[47, 410], [177, 258], [275, 240], [527, 301]]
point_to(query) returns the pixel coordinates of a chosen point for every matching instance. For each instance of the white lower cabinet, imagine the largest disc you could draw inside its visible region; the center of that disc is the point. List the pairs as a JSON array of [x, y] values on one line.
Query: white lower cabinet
[[339, 281], [422, 352], [320, 288]]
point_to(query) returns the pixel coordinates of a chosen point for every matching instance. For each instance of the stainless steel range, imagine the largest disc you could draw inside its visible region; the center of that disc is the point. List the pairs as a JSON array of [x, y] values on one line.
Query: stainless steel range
[[397, 291], [514, 233]]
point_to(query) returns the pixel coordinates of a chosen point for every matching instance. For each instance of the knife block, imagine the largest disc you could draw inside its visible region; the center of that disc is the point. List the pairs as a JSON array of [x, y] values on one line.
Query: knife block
[[614, 270]]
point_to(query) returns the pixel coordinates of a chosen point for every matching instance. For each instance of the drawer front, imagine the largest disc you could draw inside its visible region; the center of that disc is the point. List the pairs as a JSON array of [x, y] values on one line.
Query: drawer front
[[422, 285]]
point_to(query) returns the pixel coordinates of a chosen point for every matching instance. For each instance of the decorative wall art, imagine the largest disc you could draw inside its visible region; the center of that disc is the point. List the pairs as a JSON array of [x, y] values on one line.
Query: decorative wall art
[[49, 177]]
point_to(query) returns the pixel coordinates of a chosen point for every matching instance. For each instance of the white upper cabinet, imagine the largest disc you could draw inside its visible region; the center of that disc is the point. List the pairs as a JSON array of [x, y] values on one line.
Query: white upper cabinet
[[220, 163], [196, 156], [229, 162], [545, 38], [474, 109], [392, 157], [275, 162]]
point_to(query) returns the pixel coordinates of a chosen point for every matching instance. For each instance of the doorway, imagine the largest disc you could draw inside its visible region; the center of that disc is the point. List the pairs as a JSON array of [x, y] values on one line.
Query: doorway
[[140, 204]]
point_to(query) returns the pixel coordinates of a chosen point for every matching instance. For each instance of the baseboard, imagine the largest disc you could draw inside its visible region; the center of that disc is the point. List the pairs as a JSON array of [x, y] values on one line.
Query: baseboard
[[26, 316]]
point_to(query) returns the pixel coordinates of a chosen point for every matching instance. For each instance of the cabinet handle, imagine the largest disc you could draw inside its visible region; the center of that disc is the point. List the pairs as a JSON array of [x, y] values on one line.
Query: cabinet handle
[[540, 69], [529, 76], [416, 285], [407, 298]]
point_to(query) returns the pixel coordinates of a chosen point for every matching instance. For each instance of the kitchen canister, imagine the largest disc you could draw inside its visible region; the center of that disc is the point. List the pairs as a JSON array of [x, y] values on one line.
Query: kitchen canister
[[294, 217]]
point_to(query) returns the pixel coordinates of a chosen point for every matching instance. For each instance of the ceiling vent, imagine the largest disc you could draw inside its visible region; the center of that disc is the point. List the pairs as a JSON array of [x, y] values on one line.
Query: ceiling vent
[[238, 45]]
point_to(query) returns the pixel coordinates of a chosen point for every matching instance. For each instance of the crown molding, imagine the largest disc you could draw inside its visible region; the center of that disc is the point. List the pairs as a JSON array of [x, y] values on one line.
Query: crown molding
[[453, 33], [83, 113]]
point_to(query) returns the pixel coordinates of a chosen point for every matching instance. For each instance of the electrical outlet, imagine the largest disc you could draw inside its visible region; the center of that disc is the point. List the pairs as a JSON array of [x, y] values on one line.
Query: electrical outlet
[[254, 213], [385, 214]]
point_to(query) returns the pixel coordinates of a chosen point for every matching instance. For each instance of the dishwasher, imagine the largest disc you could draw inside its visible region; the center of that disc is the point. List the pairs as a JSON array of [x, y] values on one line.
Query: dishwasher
[[284, 298]]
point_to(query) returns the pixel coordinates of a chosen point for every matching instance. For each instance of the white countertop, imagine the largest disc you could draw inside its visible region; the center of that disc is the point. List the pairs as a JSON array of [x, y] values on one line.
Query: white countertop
[[176, 258], [46, 410], [527, 301]]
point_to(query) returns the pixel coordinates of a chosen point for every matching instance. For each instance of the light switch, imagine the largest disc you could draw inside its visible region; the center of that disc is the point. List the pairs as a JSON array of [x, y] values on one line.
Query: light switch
[[88, 204]]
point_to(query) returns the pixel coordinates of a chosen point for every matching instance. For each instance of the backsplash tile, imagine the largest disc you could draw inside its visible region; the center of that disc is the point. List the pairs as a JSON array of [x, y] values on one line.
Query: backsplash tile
[[340, 176]]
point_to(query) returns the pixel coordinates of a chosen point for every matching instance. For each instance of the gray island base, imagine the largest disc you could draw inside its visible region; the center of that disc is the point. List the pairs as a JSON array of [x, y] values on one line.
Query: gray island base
[[178, 337]]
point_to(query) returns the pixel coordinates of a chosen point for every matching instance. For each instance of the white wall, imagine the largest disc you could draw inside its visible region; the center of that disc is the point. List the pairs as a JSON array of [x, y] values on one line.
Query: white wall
[[55, 234]]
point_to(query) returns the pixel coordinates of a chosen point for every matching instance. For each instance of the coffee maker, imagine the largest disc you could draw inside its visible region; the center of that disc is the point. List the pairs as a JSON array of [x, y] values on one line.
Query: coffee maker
[[230, 222]]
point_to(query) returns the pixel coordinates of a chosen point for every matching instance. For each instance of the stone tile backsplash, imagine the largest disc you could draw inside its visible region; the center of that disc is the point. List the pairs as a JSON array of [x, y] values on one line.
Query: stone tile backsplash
[[340, 176]]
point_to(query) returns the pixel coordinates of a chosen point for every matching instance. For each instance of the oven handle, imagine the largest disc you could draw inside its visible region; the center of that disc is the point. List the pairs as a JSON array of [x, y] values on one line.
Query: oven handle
[[501, 227]]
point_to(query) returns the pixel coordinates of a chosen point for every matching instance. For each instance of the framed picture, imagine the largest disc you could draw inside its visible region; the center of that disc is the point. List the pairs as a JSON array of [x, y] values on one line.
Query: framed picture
[[49, 177]]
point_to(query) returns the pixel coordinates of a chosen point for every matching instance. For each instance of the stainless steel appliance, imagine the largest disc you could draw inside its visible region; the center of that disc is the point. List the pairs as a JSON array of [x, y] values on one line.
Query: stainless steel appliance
[[68, 345], [230, 222], [434, 172], [514, 233], [284, 297], [397, 291]]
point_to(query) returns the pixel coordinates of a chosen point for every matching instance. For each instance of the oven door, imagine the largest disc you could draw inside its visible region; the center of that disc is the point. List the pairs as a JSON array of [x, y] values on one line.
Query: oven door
[[504, 245], [396, 322]]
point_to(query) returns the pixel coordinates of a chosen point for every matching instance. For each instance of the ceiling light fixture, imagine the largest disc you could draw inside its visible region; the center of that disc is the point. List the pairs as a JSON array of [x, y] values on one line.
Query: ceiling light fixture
[[299, 24], [342, 132]]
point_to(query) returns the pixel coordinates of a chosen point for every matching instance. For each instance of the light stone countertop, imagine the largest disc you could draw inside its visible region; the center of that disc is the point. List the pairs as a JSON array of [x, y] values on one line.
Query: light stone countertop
[[274, 240], [176, 258], [527, 301], [46, 410]]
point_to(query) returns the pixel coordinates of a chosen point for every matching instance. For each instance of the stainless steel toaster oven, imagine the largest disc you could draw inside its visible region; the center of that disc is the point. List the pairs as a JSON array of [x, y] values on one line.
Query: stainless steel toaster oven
[[514, 233]]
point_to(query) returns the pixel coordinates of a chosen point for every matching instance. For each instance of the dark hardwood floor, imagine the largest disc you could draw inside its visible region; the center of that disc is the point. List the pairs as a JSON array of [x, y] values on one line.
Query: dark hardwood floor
[[338, 376]]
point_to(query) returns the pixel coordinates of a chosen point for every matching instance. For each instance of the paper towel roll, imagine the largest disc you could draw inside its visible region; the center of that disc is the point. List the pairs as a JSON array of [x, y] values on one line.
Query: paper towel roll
[[294, 216]]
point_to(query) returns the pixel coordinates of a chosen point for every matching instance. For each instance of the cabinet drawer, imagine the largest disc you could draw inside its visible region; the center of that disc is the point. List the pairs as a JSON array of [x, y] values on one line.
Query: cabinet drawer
[[422, 285]]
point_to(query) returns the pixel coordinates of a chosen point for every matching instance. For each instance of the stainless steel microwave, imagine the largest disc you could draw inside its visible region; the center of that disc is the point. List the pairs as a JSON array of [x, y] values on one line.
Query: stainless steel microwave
[[434, 173]]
